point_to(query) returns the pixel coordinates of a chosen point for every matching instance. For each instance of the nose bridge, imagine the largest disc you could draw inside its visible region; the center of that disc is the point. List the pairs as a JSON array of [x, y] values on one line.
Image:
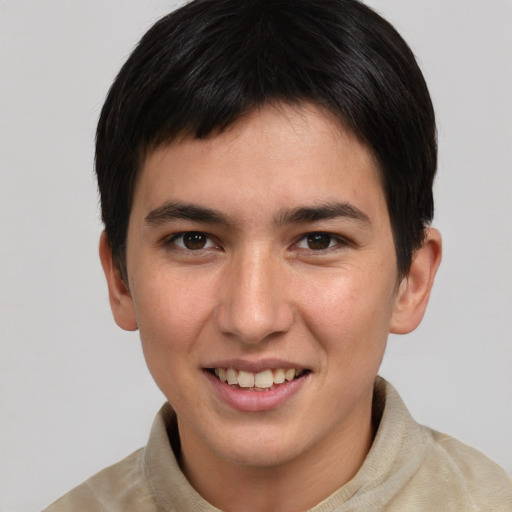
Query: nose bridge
[[255, 304]]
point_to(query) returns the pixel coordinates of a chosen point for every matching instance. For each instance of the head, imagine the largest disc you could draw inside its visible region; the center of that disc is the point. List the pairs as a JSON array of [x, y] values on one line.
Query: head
[[265, 169], [203, 67]]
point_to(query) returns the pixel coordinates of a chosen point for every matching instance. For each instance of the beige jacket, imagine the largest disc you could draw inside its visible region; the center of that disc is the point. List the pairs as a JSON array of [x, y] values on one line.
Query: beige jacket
[[409, 468]]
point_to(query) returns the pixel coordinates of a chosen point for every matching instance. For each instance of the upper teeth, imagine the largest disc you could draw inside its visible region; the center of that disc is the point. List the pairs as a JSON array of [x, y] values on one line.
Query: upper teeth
[[262, 380]]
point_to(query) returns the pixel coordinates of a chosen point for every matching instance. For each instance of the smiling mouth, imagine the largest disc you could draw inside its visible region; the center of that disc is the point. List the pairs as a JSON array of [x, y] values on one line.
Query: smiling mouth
[[260, 381]]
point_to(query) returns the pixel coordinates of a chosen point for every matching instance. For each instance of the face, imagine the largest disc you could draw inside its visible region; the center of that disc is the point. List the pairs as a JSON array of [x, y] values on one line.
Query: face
[[263, 280]]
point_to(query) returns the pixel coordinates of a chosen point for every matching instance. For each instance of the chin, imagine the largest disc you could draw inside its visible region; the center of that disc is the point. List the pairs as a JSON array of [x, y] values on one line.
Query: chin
[[259, 448]]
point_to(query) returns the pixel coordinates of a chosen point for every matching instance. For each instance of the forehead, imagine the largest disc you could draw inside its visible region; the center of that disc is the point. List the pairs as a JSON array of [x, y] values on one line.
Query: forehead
[[273, 157]]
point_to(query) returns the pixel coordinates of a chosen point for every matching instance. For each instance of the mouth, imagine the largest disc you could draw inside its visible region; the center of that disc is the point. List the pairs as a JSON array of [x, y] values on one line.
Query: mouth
[[265, 380]]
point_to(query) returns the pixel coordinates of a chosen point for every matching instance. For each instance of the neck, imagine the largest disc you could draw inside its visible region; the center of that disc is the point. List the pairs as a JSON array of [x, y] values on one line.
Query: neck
[[292, 486]]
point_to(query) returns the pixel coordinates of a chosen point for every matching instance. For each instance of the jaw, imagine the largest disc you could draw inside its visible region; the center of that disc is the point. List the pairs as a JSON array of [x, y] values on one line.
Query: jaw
[[260, 450]]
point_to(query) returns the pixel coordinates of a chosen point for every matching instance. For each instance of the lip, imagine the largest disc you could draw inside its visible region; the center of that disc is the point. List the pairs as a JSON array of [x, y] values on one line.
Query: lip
[[255, 401]]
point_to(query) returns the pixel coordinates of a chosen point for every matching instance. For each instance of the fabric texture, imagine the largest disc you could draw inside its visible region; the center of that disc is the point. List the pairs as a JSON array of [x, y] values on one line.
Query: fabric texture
[[409, 468]]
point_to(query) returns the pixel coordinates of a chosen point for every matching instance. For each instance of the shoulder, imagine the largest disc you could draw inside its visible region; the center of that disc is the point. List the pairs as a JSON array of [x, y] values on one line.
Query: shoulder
[[482, 482], [458, 477], [122, 487], [427, 470]]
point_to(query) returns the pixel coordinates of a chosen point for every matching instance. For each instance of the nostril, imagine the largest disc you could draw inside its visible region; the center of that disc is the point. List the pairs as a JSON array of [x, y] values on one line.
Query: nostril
[[252, 325]]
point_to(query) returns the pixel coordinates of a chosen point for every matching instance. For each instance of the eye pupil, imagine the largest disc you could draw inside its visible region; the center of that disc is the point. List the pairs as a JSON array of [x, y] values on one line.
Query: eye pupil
[[318, 241], [194, 240]]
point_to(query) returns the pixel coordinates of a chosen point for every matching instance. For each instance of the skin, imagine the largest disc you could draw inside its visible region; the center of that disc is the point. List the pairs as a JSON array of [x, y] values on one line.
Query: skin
[[256, 291]]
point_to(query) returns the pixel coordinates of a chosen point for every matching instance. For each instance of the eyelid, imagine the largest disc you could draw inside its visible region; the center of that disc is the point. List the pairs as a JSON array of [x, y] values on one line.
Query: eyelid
[[171, 240], [339, 240]]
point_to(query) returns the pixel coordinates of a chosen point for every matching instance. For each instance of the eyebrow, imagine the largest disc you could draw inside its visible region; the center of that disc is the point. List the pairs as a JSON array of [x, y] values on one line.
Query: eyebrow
[[304, 214], [176, 210], [301, 215]]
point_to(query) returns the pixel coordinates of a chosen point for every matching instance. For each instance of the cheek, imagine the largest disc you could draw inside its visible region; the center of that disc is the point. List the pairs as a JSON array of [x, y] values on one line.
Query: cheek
[[171, 312], [171, 318], [349, 313]]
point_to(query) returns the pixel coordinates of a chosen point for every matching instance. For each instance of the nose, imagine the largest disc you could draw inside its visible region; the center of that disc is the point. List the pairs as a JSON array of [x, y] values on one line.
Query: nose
[[254, 305]]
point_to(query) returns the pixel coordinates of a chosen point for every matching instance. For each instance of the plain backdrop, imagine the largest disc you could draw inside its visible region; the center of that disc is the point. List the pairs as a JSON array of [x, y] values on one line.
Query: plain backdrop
[[75, 392]]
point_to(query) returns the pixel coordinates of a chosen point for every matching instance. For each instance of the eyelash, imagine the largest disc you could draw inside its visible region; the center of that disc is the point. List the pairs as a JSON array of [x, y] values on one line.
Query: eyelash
[[173, 240], [333, 241], [309, 237]]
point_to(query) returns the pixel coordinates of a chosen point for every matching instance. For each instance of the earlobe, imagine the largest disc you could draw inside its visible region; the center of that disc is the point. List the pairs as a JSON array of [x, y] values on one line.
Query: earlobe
[[414, 290], [120, 298]]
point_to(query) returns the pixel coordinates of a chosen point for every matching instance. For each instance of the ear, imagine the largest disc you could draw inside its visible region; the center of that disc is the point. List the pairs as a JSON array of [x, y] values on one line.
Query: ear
[[121, 301], [414, 290]]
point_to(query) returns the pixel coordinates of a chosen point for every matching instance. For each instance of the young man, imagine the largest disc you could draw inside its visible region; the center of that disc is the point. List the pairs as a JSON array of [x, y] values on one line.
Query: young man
[[266, 170]]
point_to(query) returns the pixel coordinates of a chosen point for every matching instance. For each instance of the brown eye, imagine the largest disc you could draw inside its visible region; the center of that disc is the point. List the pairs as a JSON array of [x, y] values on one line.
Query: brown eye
[[194, 240], [318, 241]]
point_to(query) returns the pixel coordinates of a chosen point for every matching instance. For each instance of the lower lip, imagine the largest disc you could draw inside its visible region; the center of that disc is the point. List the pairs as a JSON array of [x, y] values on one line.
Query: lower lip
[[254, 401]]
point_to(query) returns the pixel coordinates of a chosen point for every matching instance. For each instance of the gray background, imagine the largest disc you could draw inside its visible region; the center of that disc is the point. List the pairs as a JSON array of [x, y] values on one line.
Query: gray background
[[75, 392]]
